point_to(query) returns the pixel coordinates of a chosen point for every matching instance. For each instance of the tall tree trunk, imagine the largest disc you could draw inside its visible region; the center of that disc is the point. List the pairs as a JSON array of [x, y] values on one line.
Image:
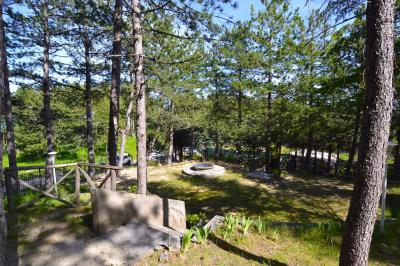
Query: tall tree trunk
[[3, 85], [191, 144], [170, 138], [47, 114], [310, 142], [11, 150], [180, 154], [378, 104], [328, 168], [115, 85], [354, 144], [153, 141], [397, 156], [170, 144], [140, 98], [114, 92], [216, 149], [315, 160], [239, 124], [3, 224], [337, 161], [279, 154], [268, 152], [89, 112]]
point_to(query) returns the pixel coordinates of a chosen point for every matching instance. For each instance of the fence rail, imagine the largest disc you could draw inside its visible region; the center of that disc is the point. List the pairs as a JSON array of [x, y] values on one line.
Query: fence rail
[[19, 180]]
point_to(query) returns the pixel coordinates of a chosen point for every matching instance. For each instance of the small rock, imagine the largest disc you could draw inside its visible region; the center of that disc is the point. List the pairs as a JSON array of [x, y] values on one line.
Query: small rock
[[163, 257], [159, 248]]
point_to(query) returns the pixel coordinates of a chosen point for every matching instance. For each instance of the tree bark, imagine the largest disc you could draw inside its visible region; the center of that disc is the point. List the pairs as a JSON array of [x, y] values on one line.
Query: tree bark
[[115, 90], [268, 155], [337, 161], [315, 160], [47, 114], [89, 112], [378, 104], [354, 144], [3, 230], [3, 84], [115, 84], [153, 141], [328, 168], [239, 123], [217, 147], [310, 142], [279, 154], [11, 150], [140, 98], [170, 138], [3, 224]]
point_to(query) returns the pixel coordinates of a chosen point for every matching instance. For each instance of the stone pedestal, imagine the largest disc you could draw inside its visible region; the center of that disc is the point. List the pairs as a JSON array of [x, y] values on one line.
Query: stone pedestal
[[112, 209]]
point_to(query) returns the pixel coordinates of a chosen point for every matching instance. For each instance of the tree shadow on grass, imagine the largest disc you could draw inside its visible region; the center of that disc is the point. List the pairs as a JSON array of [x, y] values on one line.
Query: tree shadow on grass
[[393, 204], [293, 201], [243, 253]]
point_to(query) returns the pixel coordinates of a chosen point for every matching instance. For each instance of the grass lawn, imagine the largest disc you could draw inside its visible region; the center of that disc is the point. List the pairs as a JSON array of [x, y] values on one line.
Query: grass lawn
[[291, 198]]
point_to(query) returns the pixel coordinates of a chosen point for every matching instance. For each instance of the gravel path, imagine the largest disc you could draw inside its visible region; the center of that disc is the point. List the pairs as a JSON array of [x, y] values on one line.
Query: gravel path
[[121, 247]]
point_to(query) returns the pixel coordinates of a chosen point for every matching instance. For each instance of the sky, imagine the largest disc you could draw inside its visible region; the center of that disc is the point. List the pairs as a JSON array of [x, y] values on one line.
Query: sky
[[243, 11]]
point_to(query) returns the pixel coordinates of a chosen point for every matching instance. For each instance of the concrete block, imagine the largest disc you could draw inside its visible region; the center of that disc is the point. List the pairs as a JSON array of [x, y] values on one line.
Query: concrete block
[[112, 209]]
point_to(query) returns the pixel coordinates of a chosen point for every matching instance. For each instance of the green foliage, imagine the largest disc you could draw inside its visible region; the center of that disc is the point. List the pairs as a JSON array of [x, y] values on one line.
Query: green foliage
[[230, 226], [133, 188], [186, 239], [260, 225], [202, 234], [246, 224], [195, 219]]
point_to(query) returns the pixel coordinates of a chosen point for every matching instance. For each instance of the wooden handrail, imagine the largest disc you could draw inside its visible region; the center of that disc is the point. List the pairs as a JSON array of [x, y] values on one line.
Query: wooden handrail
[[39, 167], [100, 166], [62, 165]]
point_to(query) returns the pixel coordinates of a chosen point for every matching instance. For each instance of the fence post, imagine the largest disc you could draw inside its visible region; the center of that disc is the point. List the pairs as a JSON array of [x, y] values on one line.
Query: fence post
[[113, 178], [77, 185]]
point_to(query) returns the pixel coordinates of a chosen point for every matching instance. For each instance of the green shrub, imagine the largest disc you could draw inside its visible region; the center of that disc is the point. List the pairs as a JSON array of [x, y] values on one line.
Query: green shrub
[[194, 219], [276, 172], [133, 188]]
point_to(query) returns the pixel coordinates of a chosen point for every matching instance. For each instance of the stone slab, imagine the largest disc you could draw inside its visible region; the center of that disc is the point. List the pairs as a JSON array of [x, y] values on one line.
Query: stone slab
[[112, 209], [260, 175]]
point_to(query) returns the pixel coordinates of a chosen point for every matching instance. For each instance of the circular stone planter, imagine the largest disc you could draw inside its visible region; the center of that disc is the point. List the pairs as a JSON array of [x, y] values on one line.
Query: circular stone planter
[[204, 170], [202, 166]]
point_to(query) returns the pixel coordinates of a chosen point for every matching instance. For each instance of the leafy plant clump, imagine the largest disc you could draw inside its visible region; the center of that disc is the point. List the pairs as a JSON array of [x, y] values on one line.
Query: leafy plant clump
[[187, 237], [195, 219], [246, 223], [260, 225], [230, 226], [202, 234]]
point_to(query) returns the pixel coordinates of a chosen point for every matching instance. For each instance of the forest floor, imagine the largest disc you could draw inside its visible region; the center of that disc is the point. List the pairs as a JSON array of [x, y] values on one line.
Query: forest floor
[[290, 198]]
